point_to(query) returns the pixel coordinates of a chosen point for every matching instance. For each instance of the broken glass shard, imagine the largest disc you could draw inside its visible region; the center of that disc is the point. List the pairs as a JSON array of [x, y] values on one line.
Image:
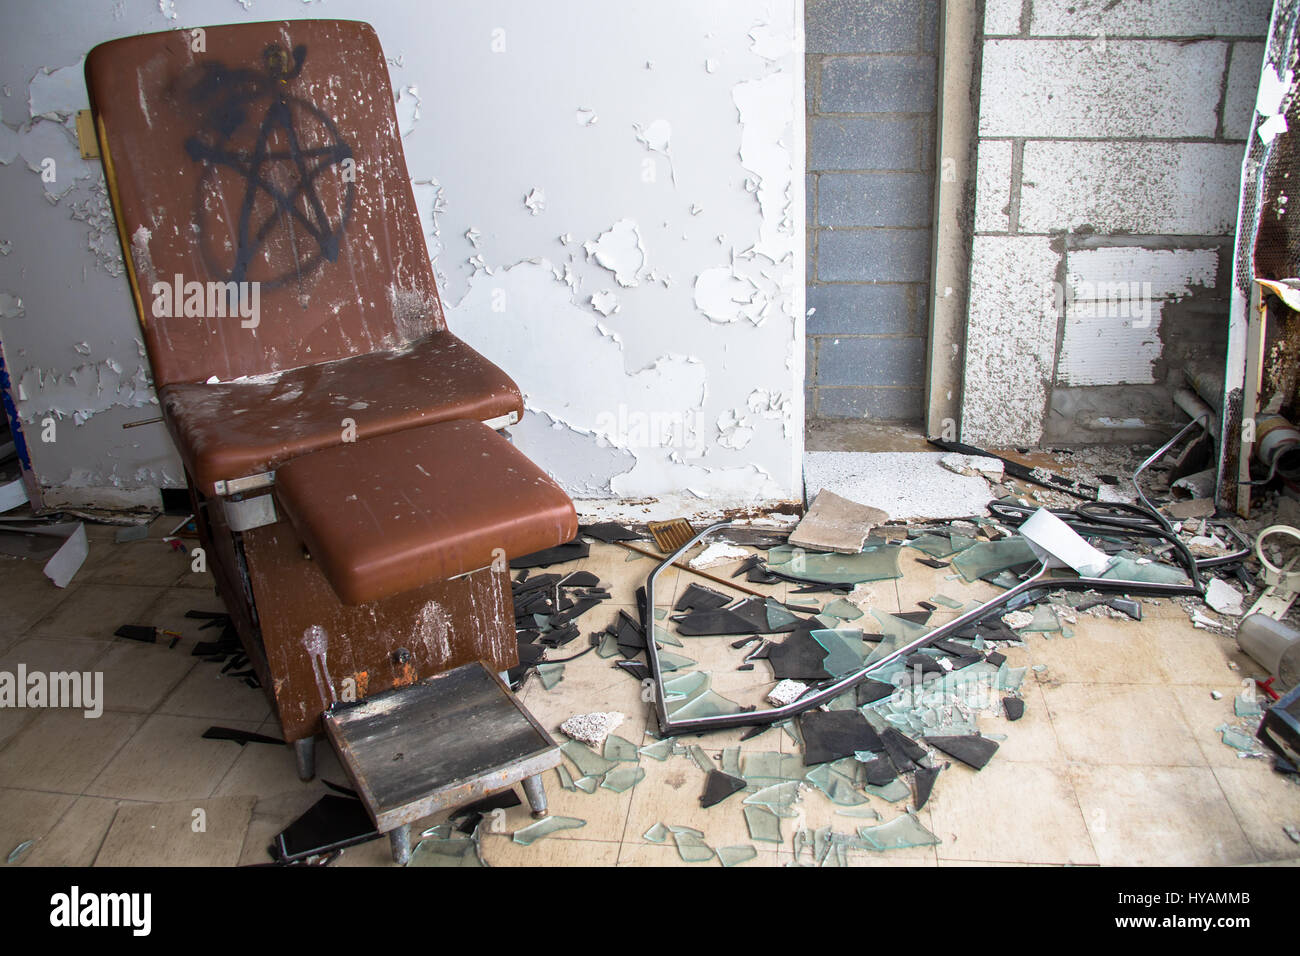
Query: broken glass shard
[[898, 833], [455, 850], [1151, 572], [1044, 620], [767, 766], [923, 780], [590, 763], [1247, 706], [735, 855], [659, 750], [893, 792], [764, 825], [731, 761], [673, 662], [624, 778], [798, 657], [777, 797], [1237, 738], [1010, 678], [935, 545], [843, 609], [587, 784], [989, 557], [839, 788], [663, 636], [656, 834], [550, 674], [845, 650], [620, 750], [690, 845], [608, 646], [545, 827], [566, 778], [944, 601], [873, 563]]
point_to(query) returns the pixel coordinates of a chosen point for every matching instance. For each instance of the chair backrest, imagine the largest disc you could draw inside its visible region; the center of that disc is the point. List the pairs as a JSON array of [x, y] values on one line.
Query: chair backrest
[[257, 169]]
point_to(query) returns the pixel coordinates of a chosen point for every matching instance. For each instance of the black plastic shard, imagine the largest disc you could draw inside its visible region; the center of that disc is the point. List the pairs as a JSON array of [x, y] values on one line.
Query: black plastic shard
[[798, 657], [719, 786], [925, 663], [713, 621], [972, 750], [561, 553], [240, 737], [330, 824], [1014, 707], [580, 579], [932, 563], [696, 597], [138, 632], [635, 668], [830, 735], [915, 617], [923, 782], [903, 751], [608, 531], [870, 691], [751, 563], [879, 772], [996, 658]]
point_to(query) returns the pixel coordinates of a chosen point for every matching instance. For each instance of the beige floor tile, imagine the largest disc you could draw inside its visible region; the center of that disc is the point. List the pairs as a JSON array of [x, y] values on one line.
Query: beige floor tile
[[137, 677], [1031, 738], [1121, 724], [500, 850], [75, 840], [168, 613], [140, 563], [1159, 816], [1191, 656], [670, 794], [1017, 812], [1263, 802], [45, 656], [29, 815], [1203, 713], [28, 595], [167, 760], [63, 751], [264, 770], [206, 692], [187, 833], [95, 611], [1102, 651]]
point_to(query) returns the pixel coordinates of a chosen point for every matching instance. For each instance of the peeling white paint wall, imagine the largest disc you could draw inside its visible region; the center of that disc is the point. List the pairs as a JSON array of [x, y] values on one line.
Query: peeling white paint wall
[[613, 194]]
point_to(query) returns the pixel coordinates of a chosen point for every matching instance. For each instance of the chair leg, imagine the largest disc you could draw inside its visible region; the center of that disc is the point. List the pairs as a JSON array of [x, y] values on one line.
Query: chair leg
[[304, 751], [400, 841], [536, 793]]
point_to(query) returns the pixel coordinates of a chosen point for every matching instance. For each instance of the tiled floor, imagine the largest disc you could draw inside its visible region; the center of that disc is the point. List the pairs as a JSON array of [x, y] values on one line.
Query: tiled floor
[[1116, 760]]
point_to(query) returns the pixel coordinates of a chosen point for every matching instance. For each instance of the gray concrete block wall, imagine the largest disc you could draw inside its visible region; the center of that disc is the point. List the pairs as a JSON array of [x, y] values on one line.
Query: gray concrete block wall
[[1111, 137], [872, 75]]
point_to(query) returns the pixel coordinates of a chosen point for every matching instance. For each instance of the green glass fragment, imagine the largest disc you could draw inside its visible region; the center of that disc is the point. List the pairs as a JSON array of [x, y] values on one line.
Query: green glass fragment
[[566, 778], [935, 545], [664, 636], [845, 650], [873, 563], [608, 646], [690, 845], [731, 762], [590, 763], [656, 834], [1045, 620], [843, 609], [766, 767], [838, 787], [735, 855], [985, 557], [550, 674], [898, 833], [778, 795], [764, 825], [545, 827], [1237, 738], [587, 784], [1010, 678], [673, 662], [620, 750], [893, 791], [1244, 706], [454, 850], [659, 750], [700, 758], [1152, 572], [624, 778], [944, 601]]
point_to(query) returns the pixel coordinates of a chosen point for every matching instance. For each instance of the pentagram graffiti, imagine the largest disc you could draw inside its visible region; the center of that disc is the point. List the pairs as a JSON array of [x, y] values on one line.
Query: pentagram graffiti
[[290, 166]]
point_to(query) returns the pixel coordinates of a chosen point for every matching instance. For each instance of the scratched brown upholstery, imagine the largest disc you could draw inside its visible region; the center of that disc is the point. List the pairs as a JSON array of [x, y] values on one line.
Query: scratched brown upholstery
[[226, 431], [386, 515], [343, 271]]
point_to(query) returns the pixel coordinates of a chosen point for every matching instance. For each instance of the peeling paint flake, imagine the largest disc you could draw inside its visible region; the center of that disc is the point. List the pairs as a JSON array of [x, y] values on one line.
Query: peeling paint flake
[[619, 250]]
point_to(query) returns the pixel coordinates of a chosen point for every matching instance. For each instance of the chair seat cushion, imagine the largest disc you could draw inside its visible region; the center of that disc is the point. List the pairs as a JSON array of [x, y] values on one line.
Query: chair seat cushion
[[233, 429], [392, 513]]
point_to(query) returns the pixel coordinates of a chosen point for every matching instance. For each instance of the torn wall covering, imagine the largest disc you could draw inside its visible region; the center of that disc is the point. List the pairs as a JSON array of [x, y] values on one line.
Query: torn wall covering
[[622, 235]]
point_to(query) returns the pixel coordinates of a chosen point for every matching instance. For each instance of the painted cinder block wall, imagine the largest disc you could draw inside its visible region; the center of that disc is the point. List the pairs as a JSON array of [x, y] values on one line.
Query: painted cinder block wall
[[1111, 137], [610, 191], [871, 71]]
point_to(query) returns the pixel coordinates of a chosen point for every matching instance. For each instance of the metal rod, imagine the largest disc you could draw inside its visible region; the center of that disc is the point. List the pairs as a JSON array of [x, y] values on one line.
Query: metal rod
[[696, 571]]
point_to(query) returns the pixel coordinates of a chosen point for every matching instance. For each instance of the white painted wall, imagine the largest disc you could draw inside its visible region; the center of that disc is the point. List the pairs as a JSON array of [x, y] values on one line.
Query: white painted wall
[[648, 297]]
